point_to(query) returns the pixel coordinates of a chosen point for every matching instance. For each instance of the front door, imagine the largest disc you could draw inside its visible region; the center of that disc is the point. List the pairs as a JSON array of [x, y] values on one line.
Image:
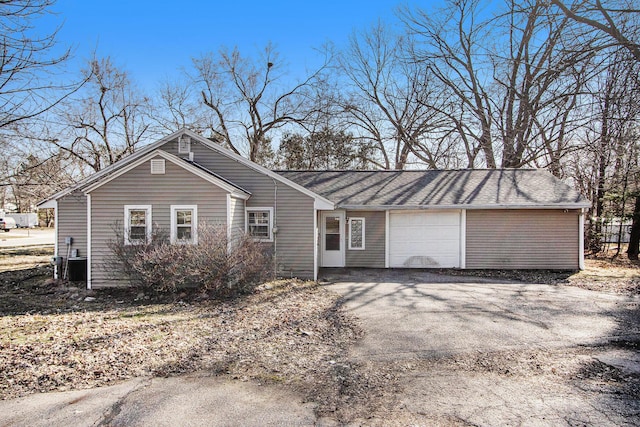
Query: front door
[[332, 238]]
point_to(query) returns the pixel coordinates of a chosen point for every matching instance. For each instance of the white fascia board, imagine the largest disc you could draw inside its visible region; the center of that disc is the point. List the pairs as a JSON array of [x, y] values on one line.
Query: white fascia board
[[242, 196], [246, 162], [323, 205], [204, 141], [47, 204], [120, 163], [178, 162], [467, 207]]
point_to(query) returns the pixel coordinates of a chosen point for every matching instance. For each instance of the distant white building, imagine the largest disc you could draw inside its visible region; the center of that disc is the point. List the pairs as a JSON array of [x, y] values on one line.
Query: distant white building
[[611, 231]]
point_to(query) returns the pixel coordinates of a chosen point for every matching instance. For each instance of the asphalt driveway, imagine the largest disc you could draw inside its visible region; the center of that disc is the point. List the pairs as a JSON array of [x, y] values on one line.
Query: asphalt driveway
[[187, 400], [480, 352], [408, 315]]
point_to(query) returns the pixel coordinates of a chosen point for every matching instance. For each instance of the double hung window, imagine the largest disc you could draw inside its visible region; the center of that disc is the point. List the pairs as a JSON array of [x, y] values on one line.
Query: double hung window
[[259, 222], [184, 224], [137, 224]]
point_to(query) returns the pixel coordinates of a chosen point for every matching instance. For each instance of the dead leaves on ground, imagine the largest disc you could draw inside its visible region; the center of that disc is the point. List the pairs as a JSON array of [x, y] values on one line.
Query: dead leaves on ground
[[286, 332]]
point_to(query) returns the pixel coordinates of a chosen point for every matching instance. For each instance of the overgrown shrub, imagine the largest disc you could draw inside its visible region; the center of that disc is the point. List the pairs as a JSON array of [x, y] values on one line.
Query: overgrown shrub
[[212, 264]]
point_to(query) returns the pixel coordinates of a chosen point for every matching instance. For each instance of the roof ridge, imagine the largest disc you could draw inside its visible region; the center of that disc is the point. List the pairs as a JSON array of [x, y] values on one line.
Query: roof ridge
[[409, 170]]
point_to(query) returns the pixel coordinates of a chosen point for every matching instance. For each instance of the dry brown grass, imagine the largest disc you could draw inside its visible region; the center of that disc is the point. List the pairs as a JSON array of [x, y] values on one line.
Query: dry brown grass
[[605, 273], [20, 259], [54, 336]]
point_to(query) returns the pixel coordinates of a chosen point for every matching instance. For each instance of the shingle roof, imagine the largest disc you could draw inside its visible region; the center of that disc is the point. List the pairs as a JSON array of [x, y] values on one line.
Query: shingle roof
[[220, 177], [478, 188]]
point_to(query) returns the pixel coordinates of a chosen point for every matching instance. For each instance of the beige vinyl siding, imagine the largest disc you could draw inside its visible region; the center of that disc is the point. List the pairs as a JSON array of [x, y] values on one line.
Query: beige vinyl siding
[[138, 187], [260, 186], [237, 217], [526, 239], [72, 222], [373, 254], [293, 209], [295, 238]]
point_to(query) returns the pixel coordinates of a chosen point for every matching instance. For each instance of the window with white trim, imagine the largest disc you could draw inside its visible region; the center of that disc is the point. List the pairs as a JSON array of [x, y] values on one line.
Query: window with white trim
[[137, 224], [184, 224], [259, 222], [356, 233]]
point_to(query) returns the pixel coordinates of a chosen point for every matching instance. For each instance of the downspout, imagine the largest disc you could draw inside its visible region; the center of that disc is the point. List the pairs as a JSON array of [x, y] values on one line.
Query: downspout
[[581, 239], [229, 220], [89, 243], [56, 268], [274, 228]]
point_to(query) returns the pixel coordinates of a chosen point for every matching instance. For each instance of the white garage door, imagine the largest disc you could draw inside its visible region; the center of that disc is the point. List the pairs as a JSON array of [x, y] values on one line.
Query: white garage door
[[424, 239]]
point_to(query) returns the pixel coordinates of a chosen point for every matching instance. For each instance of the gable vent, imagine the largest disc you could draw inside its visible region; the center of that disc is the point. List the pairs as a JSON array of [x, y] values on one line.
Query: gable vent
[[157, 167], [184, 144]]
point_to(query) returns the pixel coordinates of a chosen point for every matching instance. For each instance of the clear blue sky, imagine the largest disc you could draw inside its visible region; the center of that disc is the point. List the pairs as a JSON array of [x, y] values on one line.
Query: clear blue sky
[[155, 39]]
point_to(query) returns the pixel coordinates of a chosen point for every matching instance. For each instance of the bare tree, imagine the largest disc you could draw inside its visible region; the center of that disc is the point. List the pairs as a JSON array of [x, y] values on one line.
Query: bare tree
[[179, 106], [513, 80], [542, 79], [391, 100], [447, 45], [250, 99], [618, 20], [29, 62], [107, 121], [34, 178], [614, 167], [32, 82], [605, 166]]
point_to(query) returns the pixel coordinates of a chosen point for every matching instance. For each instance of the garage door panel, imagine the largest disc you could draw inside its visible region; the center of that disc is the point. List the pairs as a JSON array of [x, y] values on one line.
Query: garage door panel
[[411, 244], [432, 234], [412, 218], [424, 239], [424, 261]]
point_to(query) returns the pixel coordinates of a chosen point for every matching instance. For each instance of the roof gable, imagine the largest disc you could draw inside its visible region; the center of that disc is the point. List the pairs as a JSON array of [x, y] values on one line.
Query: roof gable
[[320, 201], [209, 176], [473, 189]]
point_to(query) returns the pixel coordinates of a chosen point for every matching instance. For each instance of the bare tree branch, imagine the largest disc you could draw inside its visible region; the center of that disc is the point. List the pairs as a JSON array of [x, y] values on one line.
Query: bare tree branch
[[578, 12]]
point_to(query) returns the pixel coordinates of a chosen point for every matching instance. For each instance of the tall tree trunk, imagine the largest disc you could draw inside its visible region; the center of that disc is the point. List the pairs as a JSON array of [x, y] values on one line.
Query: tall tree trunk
[[605, 144], [596, 241], [634, 239]]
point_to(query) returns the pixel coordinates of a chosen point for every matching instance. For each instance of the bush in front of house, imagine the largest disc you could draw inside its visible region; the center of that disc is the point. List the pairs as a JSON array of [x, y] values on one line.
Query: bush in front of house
[[215, 264]]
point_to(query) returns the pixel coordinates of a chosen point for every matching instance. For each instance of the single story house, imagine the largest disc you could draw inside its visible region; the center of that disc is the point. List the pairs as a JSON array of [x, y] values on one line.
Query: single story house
[[480, 219]]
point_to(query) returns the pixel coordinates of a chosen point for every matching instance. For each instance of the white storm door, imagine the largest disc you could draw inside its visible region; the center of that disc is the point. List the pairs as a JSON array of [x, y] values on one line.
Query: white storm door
[[332, 238]]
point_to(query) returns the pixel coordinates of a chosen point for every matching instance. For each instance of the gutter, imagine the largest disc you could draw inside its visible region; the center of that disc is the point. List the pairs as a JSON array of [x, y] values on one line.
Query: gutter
[[467, 207]]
